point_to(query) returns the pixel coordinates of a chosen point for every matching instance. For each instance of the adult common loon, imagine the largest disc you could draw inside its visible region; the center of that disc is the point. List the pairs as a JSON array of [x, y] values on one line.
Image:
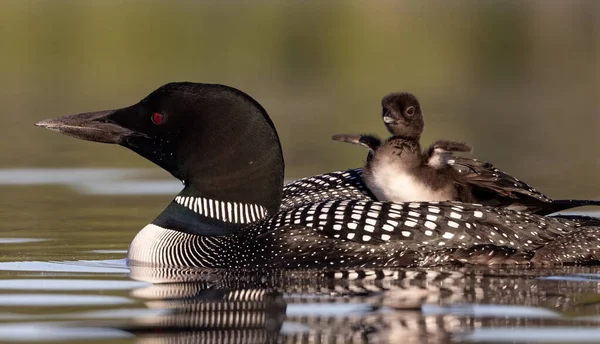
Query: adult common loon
[[398, 170], [230, 214]]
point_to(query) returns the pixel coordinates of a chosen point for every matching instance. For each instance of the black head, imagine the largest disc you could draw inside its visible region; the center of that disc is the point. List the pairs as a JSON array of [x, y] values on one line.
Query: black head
[[216, 139], [402, 115]]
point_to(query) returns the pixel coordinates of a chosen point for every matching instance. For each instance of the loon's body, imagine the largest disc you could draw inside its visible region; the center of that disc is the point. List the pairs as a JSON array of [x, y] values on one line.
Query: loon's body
[[399, 171], [234, 212]]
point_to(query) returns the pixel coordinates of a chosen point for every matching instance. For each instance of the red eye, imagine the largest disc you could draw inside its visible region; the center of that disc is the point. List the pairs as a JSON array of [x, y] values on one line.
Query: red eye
[[158, 118]]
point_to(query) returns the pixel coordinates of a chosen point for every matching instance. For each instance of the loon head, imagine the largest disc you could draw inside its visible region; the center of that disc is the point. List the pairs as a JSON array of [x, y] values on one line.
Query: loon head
[[216, 139], [402, 115]]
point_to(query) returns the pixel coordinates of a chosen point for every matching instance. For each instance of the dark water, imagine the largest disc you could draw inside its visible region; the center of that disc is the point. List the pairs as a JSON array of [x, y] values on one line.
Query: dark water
[[63, 278]]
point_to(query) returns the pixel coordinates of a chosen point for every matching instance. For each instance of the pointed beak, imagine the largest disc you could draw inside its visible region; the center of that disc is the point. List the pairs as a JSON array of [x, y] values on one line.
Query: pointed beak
[[91, 126], [388, 119]]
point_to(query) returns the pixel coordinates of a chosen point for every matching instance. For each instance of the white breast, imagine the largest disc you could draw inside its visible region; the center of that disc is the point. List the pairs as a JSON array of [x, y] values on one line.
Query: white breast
[[158, 246], [390, 183]]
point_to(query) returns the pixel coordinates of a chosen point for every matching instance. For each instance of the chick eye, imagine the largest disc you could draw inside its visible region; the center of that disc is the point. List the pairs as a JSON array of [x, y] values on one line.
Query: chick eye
[[158, 118], [410, 111]]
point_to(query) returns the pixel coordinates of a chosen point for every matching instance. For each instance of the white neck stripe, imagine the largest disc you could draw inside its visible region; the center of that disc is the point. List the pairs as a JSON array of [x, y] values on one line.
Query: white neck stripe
[[232, 212]]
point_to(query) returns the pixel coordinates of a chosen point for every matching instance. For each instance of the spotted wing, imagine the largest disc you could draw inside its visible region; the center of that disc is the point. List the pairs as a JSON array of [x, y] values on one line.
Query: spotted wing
[[371, 233], [577, 247], [329, 186], [490, 186], [484, 175]]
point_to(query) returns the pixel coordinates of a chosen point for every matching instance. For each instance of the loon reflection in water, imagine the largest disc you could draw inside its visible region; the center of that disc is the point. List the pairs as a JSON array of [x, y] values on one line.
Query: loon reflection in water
[[358, 306], [234, 212]]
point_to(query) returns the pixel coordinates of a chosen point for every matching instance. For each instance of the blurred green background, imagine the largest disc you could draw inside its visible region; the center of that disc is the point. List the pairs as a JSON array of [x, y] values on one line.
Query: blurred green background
[[519, 80]]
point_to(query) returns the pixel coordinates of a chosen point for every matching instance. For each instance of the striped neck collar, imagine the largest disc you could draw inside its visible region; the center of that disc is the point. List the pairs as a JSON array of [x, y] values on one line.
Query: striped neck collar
[[193, 213], [229, 212]]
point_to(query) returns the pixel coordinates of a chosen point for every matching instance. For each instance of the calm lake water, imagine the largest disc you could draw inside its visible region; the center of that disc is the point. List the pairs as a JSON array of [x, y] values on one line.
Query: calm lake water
[[63, 278]]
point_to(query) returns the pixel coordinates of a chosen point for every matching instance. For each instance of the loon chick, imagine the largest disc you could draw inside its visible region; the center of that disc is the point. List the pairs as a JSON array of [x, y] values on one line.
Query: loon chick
[[398, 171], [398, 175], [221, 143]]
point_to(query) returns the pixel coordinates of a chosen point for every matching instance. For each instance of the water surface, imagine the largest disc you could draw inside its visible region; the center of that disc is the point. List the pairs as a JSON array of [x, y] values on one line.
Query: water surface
[[63, 278]]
